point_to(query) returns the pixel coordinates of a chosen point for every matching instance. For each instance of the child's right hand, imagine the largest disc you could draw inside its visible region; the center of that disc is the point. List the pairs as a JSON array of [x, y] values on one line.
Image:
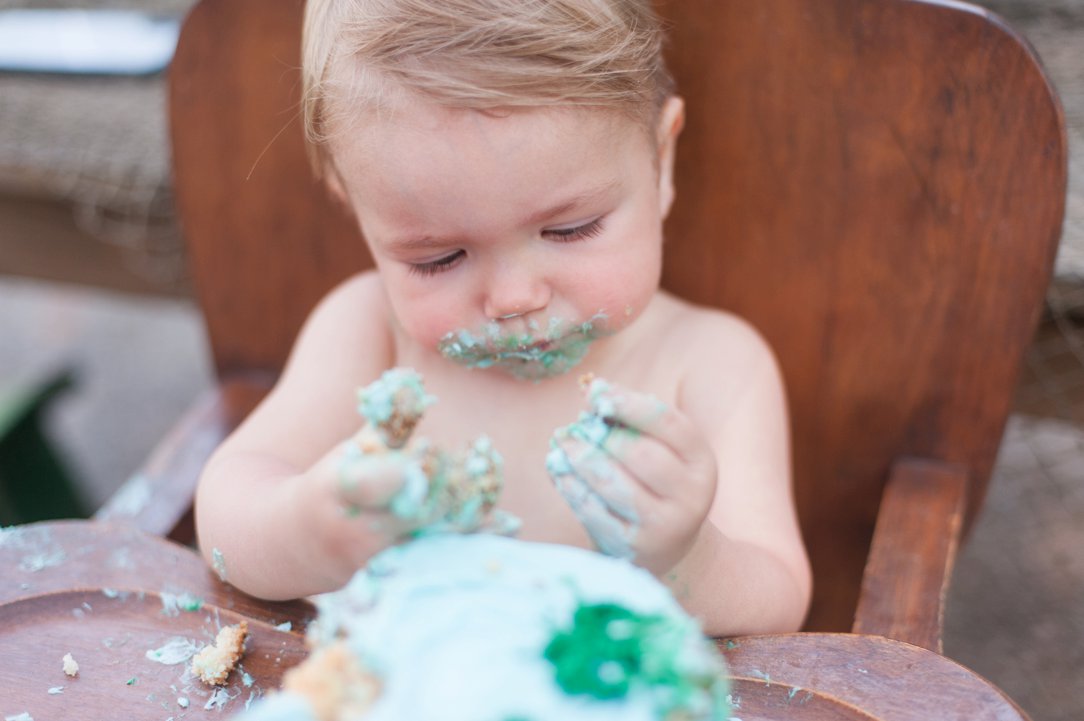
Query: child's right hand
[[356, 504]]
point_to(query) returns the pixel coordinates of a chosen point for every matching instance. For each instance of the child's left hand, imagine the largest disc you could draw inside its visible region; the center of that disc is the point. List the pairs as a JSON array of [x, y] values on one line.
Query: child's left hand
[[638, 474]]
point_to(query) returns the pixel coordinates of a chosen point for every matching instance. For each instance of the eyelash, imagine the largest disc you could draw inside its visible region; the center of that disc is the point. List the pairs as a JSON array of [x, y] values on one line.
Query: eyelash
[[436, 266], [564, 235], [581, 232]]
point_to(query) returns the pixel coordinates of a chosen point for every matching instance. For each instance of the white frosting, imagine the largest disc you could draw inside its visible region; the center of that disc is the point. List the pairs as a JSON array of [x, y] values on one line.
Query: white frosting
[[456, 627]]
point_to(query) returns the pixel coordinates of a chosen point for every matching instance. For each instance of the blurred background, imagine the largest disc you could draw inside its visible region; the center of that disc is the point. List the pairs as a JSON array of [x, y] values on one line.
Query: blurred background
[[102, 348]]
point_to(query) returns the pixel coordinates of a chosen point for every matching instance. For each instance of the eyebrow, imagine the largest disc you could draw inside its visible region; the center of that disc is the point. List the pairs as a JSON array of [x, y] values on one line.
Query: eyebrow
[[427, 242], [585, 198]]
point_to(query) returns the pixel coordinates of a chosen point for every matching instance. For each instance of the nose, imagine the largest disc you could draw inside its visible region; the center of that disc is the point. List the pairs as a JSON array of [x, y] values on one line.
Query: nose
[[514, 291]]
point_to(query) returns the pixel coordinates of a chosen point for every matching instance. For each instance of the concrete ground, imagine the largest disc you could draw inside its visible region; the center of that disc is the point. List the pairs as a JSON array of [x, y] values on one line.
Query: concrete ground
[[1016, 612]]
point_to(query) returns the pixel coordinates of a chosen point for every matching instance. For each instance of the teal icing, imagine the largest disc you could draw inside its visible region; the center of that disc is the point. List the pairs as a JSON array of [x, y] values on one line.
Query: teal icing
[[524, 355], [590, 428], [600, 396], [218, 563], [441, 491], [413, 501], [445, 491], [609, 651], [397, 389], [611, 522], [557, 463], [598, 495]]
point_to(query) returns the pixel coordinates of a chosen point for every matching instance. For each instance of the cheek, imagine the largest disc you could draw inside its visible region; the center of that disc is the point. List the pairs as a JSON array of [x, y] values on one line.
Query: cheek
[[428, 317], [424, 321], [622, 285]]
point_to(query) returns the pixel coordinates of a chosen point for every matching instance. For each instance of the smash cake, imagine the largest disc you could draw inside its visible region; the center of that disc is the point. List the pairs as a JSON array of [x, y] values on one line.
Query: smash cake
[[461, 624]]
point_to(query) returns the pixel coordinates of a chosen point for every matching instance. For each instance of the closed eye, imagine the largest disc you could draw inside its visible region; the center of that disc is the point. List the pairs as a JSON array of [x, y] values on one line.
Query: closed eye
[[436, 266], [579, 232]]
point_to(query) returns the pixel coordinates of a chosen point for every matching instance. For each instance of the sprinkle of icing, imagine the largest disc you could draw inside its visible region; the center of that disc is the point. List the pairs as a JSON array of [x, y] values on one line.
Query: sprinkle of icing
[[176, 650], [218, 563], [173, 603]]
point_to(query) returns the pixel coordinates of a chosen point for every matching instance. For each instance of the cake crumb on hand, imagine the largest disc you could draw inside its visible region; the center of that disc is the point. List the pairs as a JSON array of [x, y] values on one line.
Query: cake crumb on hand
[[214, 663], [70, 666]]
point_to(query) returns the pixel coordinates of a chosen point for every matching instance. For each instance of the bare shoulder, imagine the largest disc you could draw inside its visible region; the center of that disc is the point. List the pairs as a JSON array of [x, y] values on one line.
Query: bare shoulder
[[723, 356], [348, 329], [344, 344]]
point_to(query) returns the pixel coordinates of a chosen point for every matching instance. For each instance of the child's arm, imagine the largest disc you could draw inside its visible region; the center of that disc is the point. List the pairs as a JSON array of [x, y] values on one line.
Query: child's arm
[[646, 486], [276, 505], [748, 571]]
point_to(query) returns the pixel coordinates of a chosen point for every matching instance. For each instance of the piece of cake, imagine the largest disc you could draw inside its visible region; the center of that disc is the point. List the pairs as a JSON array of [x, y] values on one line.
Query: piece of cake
[[394, 404], [213, 663], [71, 668], [334, 683], [468, 627], [444, 490]]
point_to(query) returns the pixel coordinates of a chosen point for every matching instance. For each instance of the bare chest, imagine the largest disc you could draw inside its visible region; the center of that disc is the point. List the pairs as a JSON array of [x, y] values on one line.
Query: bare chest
[[520, 419]]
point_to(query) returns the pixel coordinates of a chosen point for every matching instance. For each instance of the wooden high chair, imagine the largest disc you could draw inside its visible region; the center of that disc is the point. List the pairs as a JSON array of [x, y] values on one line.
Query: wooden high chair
[[877, 185]]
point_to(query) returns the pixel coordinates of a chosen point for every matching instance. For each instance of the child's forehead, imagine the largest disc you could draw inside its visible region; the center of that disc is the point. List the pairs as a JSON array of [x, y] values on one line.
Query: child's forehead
[[425, 130], [459, 165], [398, 109]]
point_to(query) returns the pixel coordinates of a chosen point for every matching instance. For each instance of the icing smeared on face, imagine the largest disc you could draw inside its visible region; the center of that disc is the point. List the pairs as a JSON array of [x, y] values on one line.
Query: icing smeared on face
[[531, 355]]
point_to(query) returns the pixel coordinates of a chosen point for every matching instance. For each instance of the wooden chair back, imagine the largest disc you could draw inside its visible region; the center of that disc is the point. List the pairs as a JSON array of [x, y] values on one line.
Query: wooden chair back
[[878, 185]]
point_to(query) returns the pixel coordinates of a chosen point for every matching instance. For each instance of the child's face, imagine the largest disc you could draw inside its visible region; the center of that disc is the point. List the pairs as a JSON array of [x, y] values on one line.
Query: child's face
[[510, 240]]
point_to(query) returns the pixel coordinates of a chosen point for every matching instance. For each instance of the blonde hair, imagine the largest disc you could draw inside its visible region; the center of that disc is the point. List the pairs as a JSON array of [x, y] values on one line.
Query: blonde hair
[[479, 54]]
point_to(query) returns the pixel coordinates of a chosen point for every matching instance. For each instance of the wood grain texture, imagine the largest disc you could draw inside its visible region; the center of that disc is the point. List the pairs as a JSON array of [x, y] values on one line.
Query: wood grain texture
[[878, 185], [912, 555], [265, 241], [109, 594], [778, 677], [158, 498]]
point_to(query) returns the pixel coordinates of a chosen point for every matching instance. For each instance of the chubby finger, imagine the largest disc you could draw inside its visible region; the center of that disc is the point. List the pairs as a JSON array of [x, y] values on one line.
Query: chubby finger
[[654, 465], [390, 481], [647, 414], [619, 489], [611, 533]]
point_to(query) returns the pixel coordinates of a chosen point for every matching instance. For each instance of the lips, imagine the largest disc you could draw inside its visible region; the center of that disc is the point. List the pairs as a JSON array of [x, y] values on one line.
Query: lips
[[562, 346], [541, 345]]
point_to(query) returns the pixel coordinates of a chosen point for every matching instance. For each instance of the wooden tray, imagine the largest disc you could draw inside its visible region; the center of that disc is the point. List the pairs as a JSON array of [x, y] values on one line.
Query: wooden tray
[[110, 634], [109, 594]]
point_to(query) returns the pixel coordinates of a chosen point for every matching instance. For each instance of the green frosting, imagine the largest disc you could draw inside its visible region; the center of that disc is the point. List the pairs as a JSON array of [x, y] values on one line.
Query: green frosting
[[610, 650], [524, 355]]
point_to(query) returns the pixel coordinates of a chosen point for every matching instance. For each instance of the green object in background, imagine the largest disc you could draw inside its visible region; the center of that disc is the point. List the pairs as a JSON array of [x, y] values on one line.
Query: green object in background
[[35, 484]]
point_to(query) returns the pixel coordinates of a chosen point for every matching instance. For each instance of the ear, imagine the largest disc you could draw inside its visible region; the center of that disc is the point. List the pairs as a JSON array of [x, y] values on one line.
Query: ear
[[671, 121]]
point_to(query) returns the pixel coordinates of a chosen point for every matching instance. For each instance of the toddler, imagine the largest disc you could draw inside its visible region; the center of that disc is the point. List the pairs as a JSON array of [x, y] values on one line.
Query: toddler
[[510, 166]]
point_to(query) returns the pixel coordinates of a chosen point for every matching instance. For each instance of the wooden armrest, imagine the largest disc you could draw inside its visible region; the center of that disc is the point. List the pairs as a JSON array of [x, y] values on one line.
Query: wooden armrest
[[912, 553], [158, 498], [847, 677]]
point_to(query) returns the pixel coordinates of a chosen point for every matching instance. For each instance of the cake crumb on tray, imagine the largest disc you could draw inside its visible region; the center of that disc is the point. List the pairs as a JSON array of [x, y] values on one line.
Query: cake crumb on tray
[[70, 666], [213, 664]]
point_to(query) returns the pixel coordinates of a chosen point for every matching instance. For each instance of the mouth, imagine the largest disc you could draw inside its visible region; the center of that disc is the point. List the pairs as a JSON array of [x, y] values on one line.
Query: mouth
[[562, 346], [541, 345]]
